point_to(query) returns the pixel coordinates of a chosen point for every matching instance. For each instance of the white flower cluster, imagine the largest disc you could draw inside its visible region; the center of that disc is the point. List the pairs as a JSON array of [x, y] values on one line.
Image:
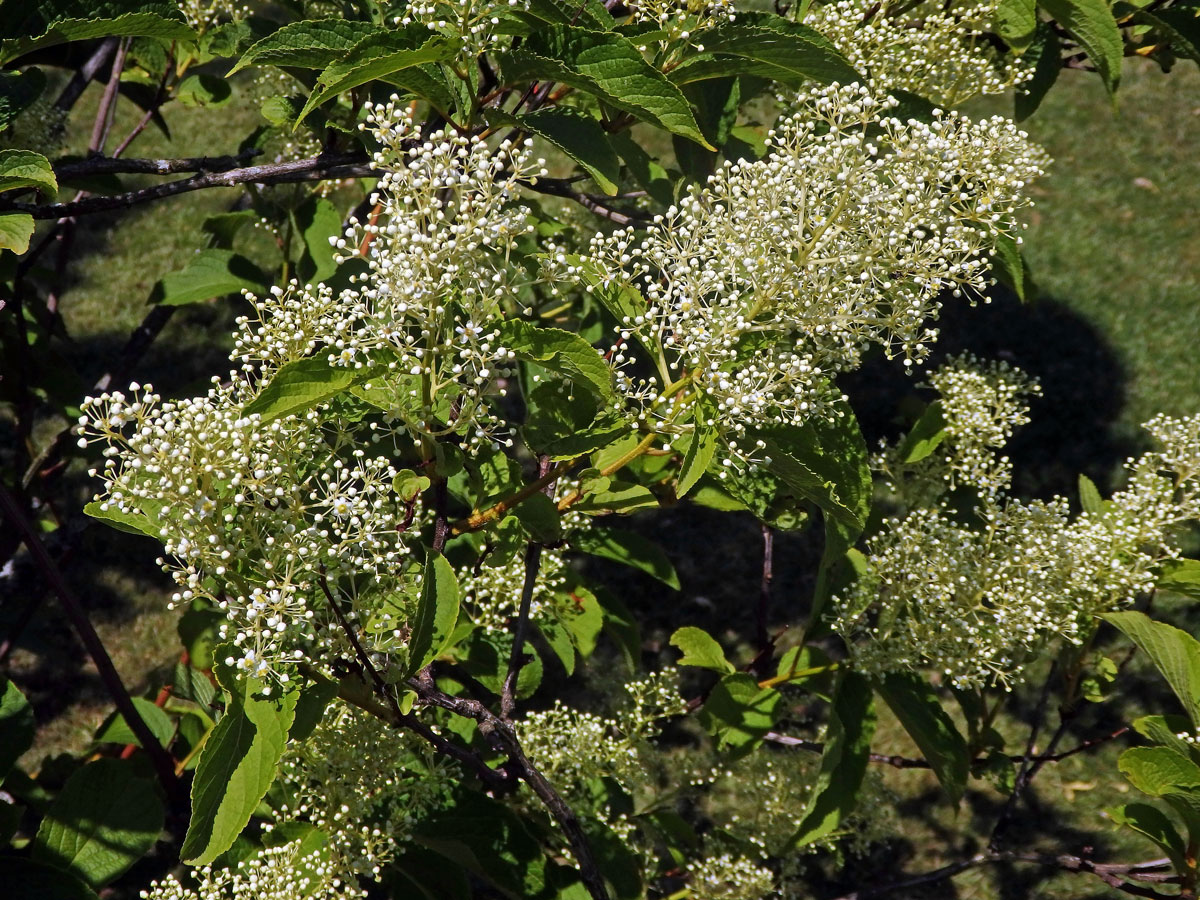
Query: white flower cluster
[[974, 601], [261, 517], [572, 746], [681, 19], [726, 877], [354, 779], [254, 514], [935, 50], [473, 22], [981, 403], [492, 594], [204, 14], [779, 273], [274, 873]]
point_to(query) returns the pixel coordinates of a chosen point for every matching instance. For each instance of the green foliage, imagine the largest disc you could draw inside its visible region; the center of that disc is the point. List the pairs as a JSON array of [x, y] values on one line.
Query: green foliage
[[104, 819]]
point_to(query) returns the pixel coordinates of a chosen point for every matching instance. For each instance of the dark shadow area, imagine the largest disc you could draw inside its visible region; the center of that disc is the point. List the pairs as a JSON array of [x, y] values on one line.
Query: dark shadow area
[[1074, 425]]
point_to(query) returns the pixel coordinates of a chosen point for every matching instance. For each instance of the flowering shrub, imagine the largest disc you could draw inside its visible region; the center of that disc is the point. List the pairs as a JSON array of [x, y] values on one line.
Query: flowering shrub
[[506, 316]]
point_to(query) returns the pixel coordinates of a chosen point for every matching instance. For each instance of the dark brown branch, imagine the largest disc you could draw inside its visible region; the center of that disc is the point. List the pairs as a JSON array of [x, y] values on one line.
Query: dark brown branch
[[1024, 774], [83, 76], [318, 168], [1109, 873], [159, 757], [108, 102], [533, 561], [501, 732], [111, 165]]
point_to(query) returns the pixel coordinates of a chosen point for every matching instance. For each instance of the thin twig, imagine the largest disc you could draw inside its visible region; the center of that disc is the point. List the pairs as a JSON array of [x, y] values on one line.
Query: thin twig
[[108, 101], [533, 560], [159, 757], [495, 728], [1023, 773]]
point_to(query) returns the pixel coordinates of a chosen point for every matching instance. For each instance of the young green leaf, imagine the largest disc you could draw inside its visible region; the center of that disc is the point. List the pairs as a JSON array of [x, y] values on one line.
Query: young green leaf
[[560, 351], [629, 548], [204, 90], [115, 730], [1008, 265], [1175, 653], [16, 726], [130, 523], [300, 385], [1089, 497], [15, 231], [699, 454], [926, 435], [237, 766], [608, 66], [26, 169], [1091, 23], [1158, 770], [739, 713], [437, 611], [209, 274], [1016, 23], [1181, 576], [916, 705], [700, 649], [575, 133], [318, 220], [1152, 823], [311, 44], [375, 57], [104, 819]]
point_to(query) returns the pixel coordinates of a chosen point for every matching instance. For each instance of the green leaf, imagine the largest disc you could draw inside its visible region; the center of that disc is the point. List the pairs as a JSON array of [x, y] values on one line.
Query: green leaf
[[314, 697], [540, 518], [916, 705], [1008, 265], [115, 730], [619, 497], [130, 523], [607, 66], [1165, 730], [1045, 55], [238, 764], [648, 173], [844, 761], [16, 726], [1016, 23], [204, 90], [18, 91], [437, 611], [739, 713], [585, 13], [15, 231], [103, 820], [629, 548], [26, 169], [825, 462], [1089, 497], [300, 385], [158, 20], [926, 435], [623, 301], [575, 133], [560, 351], [23, 878], [1152, 823], [319, 220], [1091, 23], [311, 44], [700, 649], [699, 454], [209, 274], [374, 57], [1179, 24], [1175, 653], [792, 56], [1181, 576], [1158, 770]]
